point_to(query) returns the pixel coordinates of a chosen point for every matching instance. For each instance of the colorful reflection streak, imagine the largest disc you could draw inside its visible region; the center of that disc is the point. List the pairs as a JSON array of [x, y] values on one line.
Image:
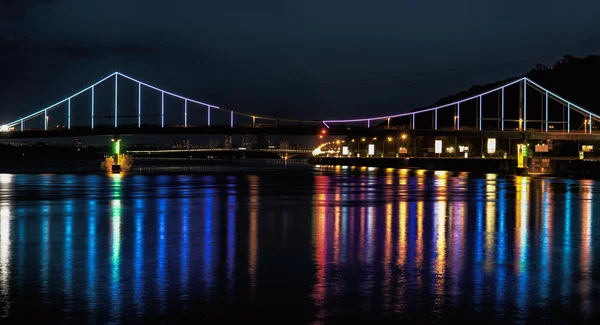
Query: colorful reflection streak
[[68, 257], [253, 206], [585, 259], [92, 210], [231, 233], [521, 241], [320, 244], [115, 248], [546, 242], [5, 252], [439, 218], [138, 259]]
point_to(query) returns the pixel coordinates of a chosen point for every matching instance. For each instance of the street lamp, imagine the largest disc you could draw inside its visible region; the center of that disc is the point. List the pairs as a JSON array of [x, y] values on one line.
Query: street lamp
[[389, 139], [358, 149]]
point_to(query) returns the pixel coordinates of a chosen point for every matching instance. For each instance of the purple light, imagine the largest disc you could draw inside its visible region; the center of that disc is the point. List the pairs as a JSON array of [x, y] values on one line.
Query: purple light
[[69, 114], [231, 118], [162, 110], [208, 109], [423, 110], [116, 96], [92, 107], [326, 124], [185, 115]]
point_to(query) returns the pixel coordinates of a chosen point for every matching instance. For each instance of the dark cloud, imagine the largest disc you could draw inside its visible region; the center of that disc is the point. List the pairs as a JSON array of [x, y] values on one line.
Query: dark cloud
[[73, 49], [17, 9]]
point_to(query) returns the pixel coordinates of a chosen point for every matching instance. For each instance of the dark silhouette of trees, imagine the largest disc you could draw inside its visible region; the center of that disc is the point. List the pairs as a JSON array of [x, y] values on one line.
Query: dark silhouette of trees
[[575, 79]]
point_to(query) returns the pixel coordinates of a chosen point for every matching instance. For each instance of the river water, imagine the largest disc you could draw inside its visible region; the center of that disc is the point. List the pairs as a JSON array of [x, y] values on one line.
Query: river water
[[304, 245]]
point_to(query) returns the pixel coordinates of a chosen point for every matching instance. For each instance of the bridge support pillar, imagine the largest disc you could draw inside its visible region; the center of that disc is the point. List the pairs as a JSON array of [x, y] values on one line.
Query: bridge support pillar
[[502, 118], [568, 118], [116, 98], [93, 107], [139, 105], [525, 105]]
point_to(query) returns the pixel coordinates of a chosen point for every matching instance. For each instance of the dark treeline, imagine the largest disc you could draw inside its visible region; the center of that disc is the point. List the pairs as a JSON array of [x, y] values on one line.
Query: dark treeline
[[572, 78]]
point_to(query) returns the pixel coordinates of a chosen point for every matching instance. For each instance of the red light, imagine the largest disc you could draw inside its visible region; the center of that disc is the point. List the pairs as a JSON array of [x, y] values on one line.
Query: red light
[[323, 131]]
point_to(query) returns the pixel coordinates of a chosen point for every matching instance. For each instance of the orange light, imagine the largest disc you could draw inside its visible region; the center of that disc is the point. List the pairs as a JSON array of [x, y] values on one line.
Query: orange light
[[323, 131], [320, 137]]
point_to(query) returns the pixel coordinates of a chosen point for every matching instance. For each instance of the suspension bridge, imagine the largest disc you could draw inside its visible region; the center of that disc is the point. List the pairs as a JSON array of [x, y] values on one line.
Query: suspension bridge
[[518, 109]]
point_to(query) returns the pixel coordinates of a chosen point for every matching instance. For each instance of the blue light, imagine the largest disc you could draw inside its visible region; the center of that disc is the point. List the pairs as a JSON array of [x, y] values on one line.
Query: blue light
[[161, 259], [91, 256], [208, 240], [68, 262], [231, 210], [45, 258], [138, 264], [566, 285], [185, 243], [501, 270], [478, 280]]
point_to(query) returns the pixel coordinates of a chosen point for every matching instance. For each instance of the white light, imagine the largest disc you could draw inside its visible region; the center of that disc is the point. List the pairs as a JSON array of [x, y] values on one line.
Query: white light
[[4, 128], [491, 145], [5, 178], [438, 146], [345, 150], [371, 149]]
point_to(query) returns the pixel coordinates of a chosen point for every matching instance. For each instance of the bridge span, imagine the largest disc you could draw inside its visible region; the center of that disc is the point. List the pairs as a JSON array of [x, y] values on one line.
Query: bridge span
[[519, 109]]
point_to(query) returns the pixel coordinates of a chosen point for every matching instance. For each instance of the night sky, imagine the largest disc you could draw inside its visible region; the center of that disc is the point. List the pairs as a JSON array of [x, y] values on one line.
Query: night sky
[[299, 59]]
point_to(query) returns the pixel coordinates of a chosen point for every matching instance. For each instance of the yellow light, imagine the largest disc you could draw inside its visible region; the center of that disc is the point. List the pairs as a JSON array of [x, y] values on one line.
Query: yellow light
[[404, 137], [389, 139], [337, 142], [374, 138], [363, 139]]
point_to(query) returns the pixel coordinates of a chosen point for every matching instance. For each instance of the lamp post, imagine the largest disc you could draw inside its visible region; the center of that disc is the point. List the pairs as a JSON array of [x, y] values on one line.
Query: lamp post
[[389, 139], [361, 140]]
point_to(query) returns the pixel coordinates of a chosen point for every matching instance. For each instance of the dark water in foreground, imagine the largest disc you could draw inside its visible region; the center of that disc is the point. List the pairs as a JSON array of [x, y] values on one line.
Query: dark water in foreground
[[299, 245]]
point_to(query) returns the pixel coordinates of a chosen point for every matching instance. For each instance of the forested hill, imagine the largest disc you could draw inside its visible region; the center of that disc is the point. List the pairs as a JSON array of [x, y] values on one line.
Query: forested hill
[[575, 79]]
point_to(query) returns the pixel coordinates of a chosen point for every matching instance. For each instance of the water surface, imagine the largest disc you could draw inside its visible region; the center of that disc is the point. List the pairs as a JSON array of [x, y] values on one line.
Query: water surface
[[304, 245]]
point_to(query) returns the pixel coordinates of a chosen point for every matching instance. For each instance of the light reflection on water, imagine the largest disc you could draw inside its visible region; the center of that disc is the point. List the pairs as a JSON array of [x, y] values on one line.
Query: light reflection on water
[[327, 244]]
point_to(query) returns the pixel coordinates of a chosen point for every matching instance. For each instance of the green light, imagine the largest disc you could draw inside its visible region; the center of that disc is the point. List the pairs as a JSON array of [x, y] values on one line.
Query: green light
[[524, 151], [118, 147]]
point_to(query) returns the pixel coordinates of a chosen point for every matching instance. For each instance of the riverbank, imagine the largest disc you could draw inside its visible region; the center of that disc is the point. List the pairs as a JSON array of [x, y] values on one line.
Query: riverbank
[[500, 166], [562, 167], [150, 165]]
